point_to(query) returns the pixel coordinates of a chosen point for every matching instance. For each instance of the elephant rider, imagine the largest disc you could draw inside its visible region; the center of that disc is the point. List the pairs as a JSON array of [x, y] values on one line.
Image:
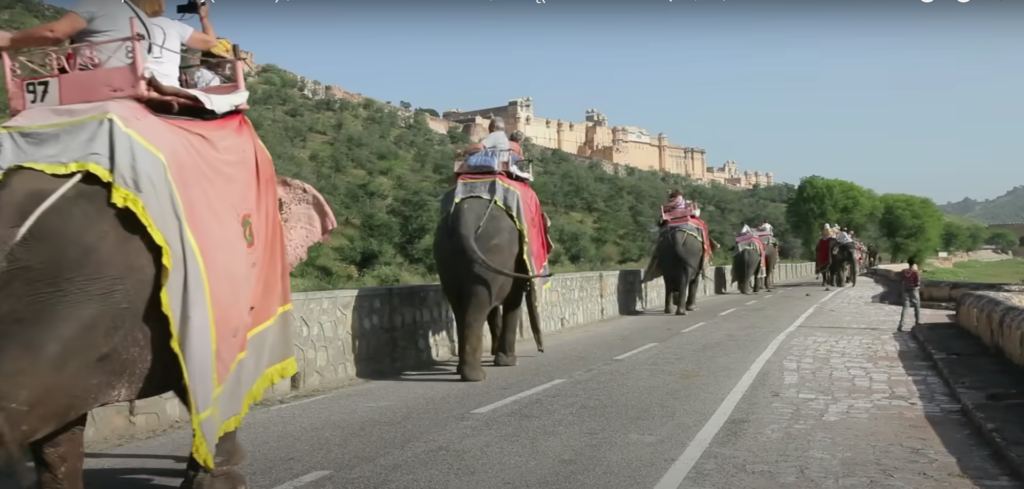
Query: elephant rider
[[496, 140], [677, 203], [844, 237], [514, 141], [766, 229]]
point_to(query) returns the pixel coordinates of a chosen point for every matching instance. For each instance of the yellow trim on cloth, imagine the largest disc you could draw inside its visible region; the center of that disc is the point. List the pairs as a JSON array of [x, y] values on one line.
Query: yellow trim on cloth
[[124, 199]]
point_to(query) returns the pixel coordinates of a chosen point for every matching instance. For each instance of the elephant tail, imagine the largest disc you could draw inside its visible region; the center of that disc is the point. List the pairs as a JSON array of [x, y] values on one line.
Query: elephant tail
[[531, 311]]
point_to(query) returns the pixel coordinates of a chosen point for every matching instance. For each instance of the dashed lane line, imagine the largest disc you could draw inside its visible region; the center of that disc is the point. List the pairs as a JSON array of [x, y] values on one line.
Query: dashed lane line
[[633, 352], [749, 303], [726, 312], [306, 479], [691, 328], [516, 397]]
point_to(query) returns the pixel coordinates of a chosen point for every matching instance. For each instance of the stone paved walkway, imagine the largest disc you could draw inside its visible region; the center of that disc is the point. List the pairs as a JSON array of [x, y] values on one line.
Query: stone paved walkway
[[854, 404]]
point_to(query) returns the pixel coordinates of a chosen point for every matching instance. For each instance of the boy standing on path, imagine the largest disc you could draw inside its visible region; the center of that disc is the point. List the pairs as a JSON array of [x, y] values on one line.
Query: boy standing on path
[[911, 293]]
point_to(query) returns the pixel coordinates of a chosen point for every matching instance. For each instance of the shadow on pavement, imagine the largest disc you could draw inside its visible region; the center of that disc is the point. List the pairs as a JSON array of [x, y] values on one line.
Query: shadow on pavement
[[173, 458], [141, 478], [943, 412]]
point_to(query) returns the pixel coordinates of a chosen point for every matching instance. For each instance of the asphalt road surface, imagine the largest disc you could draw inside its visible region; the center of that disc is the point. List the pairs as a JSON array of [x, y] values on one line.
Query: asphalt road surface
[[799, 388]]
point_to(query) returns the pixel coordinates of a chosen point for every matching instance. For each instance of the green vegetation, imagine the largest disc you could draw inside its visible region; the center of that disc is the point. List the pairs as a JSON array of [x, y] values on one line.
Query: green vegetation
[[1001, 271], [22, 14], [382, 169], [1008, 207]]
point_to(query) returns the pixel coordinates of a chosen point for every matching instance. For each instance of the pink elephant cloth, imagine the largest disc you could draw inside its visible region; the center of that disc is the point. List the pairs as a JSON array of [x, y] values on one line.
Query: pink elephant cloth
[[306, 216]]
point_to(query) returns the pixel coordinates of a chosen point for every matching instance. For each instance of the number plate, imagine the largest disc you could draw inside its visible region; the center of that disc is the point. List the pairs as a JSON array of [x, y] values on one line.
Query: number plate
[[42, 92]]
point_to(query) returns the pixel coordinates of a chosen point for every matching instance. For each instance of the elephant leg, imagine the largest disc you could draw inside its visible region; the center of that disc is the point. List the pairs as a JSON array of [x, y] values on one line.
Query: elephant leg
[[684, 282], [691, 293], [512, 312], [60, 456], [669, 296], [228, 455], [494, 323], [470, 324]]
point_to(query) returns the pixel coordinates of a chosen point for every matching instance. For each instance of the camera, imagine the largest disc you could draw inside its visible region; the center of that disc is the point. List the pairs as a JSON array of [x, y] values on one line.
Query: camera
[[192, 7]]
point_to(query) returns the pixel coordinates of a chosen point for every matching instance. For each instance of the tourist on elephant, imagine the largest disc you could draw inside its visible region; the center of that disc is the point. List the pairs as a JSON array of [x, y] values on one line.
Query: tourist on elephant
[[843, 236], [675, 204], [88, 21], [766, 228], [496, 139], [514, 141]]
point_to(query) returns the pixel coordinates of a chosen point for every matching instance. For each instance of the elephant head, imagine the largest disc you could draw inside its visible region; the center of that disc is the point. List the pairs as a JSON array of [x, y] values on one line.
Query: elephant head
[[306, 217]]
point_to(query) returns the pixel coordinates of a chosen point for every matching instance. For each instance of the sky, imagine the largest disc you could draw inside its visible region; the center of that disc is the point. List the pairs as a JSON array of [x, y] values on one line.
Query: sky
[[899, 96]]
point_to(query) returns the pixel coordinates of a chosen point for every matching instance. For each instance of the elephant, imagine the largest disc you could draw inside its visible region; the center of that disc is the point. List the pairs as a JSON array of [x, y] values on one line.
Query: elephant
[[746, 265], [842, 265], [873, 255], [679, 257], [476, 244], [81, 326]]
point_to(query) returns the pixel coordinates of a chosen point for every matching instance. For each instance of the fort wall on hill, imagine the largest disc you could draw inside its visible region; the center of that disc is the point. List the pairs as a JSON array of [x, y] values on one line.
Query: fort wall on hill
[[620, 146]]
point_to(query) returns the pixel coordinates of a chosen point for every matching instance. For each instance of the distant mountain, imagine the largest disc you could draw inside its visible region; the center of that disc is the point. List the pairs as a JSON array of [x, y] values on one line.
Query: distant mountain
[[1008, 207]]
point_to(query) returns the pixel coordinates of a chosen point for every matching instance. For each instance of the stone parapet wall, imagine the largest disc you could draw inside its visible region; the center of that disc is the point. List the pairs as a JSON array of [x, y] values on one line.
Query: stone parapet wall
[[997, 318], [944, 290], [344, 335]]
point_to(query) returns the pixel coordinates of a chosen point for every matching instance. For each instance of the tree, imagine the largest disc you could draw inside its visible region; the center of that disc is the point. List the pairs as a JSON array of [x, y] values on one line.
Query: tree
[[954, 236], [1003, 239], [428, 111], [405, 105], [818, 200], [976, 236], [912, 225]]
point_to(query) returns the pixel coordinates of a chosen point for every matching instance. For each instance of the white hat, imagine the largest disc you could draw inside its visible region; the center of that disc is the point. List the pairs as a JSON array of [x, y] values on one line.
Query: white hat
[[827, 226]]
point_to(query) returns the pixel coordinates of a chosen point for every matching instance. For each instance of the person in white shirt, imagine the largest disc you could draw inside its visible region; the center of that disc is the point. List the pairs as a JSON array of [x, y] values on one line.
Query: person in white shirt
[[168, 37], [843, 237], [766, 228]]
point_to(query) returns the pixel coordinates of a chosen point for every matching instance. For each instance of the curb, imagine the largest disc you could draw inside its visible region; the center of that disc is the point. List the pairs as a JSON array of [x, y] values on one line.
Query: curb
[[978, 378]]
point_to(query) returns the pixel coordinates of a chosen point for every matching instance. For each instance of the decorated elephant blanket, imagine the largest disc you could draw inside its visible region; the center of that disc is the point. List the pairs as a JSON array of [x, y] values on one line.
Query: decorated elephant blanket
[[693, 226], [520, 202], [206, 191], [748, 242], [823, 253]]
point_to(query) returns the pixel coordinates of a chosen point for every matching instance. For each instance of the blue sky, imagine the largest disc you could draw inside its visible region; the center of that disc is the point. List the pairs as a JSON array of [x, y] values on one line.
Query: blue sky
[[898, 96]]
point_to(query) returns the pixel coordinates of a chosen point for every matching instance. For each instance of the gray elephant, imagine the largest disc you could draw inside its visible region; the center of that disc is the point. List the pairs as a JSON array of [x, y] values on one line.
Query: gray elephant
[[873, 255], [747, 266], [842, 265], [479, 254], [679, 258], [81, 325]]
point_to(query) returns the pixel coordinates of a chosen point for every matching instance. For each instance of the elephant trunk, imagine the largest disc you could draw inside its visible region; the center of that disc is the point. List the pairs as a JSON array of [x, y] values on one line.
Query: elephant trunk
[[531, 311]]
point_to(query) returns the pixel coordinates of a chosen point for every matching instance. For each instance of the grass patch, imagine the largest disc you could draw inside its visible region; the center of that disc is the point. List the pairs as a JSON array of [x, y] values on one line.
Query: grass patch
[[1002, 271]]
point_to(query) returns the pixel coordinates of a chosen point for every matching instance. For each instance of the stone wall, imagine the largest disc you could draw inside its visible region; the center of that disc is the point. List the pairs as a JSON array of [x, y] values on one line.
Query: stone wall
[[343, 335], [997, 318], [944, 290]]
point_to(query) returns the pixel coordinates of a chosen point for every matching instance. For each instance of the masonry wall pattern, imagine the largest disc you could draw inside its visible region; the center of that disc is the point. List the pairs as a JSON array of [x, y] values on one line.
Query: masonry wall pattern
[[371, 333]]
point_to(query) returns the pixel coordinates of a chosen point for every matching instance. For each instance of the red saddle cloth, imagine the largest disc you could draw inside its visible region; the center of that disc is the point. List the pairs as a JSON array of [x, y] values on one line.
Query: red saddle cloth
[[699, 224], [823, 252], [526, 212]]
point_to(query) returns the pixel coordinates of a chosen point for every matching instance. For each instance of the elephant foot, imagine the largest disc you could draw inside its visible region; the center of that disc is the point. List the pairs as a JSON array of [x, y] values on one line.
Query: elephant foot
[[681, 312], [504, 360], [471, 374], [668, 310], [827, 289], [691, 307], [226, 478]]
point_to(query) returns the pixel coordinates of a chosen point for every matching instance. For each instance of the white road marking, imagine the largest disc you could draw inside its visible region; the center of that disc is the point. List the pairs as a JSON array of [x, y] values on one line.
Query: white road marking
[[296, 403], [638, 350], [767, 296], [691, 328], [301, 481], [682, 466], [727, 312], [517, 397], [749, 303]]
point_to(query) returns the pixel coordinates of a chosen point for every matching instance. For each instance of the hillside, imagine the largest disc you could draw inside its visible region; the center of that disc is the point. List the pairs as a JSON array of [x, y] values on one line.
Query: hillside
[[1008, 207], [382, 172]]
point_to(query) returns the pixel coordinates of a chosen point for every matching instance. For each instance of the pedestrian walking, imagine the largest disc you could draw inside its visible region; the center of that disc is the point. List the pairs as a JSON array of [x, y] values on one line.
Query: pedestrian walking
[[911, 293]]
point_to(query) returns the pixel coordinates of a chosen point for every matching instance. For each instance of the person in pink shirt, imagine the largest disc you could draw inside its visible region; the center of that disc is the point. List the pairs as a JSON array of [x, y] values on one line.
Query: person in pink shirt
[[911, 278]]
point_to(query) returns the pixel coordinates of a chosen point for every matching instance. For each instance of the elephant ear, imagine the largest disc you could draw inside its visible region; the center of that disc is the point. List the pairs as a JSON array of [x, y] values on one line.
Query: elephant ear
[[306, 217]]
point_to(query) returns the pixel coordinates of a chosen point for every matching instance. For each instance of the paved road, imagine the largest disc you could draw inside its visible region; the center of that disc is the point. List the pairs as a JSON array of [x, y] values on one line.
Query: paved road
[[796, 389]]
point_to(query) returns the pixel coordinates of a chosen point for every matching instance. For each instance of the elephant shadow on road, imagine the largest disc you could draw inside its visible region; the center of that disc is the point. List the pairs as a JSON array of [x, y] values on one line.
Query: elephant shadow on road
[[118, 477]]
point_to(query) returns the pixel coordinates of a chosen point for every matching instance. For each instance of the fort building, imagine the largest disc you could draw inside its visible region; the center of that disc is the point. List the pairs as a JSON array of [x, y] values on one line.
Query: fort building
[[624, 145]]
